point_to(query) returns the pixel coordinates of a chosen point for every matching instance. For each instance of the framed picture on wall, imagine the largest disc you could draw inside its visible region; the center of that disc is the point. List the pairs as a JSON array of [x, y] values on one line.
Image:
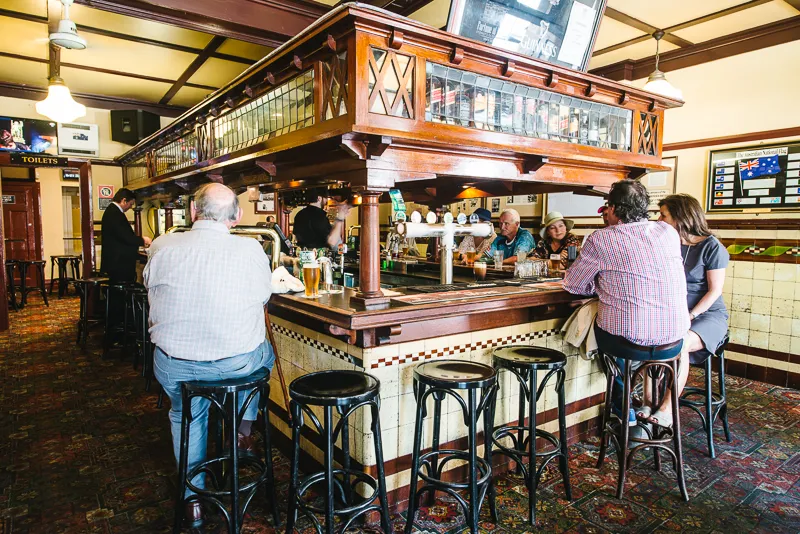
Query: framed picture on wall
[[265, 205], [662, 183], [561, 32]]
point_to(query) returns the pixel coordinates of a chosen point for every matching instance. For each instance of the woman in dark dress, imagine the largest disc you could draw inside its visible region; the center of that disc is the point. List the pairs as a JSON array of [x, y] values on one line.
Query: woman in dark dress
[[704, 262]]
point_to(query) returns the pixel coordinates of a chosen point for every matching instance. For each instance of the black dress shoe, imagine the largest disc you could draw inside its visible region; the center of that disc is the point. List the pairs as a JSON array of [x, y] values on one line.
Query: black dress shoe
[[193, 515], [247, 443]]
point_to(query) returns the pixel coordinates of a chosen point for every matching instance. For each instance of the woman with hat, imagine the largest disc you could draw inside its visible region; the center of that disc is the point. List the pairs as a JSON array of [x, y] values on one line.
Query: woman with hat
[[556, 238], [479, 244]]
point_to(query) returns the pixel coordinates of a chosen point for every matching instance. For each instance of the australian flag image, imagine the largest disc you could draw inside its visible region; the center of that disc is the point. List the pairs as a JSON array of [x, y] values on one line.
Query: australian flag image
[[753, 168]]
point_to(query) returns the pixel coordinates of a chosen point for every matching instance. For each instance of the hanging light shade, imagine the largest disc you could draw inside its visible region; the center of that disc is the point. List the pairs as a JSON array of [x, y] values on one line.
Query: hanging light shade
[[657, 82], [59, 105]]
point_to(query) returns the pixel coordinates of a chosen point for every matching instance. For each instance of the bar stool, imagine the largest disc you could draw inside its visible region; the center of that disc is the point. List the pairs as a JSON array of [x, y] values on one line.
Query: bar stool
[[86, 290], [616, 428], [524, 362], [38, 269], [64, 262], [714, 403], [223, 469], [130, 329], [347, 391], [11, 287], [439, 379], [115, 325]]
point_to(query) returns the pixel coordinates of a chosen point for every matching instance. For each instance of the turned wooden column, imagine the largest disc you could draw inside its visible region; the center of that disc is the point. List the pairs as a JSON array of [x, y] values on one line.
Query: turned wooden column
[[369, 274], [87, 219], [168, 217], [137, 220]]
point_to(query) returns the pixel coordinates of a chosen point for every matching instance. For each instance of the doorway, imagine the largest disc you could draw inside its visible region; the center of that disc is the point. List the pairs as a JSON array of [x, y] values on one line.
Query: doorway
[[22, 222]]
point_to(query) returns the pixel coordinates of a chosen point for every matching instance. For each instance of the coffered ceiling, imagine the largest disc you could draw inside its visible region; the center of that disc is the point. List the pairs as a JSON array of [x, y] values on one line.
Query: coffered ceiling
[[167, 55]]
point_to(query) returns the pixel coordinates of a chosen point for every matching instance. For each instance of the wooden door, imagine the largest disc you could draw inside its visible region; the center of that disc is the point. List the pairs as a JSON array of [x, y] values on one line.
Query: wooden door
[[22, 222]]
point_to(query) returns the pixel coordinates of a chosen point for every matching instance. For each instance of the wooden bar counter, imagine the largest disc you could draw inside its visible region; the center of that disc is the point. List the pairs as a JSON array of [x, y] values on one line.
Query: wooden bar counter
[[388, 342]]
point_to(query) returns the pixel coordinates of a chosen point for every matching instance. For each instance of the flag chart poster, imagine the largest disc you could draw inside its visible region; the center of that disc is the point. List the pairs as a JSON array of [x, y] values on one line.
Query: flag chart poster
[[754, 178]]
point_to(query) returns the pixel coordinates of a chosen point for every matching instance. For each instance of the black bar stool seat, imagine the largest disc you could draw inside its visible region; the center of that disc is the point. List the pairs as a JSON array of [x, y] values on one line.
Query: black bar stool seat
[[711, 404], [227, 495], [347, 391], [38, 268], [524, 362], [439, 379], [117, 308], [65, 262], [87, 289]]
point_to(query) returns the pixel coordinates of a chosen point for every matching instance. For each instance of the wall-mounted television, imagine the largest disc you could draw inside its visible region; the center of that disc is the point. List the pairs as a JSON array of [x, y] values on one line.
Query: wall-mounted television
[[28, 135]]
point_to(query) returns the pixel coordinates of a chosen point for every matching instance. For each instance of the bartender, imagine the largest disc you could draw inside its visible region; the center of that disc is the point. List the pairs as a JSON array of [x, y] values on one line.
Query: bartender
[[311, 228]]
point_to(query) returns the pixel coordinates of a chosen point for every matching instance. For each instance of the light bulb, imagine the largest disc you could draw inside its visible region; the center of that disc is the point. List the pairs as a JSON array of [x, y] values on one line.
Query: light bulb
[[59, 105]]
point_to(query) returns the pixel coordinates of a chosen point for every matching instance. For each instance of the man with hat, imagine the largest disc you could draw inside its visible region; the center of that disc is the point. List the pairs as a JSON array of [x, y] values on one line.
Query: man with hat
[[556, 238], [479, 244]]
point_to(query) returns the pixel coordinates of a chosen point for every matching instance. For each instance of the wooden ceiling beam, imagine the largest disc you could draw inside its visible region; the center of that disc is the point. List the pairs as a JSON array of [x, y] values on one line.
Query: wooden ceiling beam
[[401, 7], [684, 25], [772, 34], [30, 92], [198, 62], [106, 71], [619, 16], [125, 37], [264, 22]]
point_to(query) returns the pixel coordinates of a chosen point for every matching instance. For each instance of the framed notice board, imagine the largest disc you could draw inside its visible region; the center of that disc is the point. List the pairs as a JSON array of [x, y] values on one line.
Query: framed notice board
[[754, 178], [557, 31]]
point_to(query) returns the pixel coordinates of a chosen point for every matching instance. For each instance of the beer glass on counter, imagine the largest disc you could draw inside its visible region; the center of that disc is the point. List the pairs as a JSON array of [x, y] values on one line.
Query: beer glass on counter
[[471, 256], [311, 279], [479, 268], [498, 259], [455, 256]]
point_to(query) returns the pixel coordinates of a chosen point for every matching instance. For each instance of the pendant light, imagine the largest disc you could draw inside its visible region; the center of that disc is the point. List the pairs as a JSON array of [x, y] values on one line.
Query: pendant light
[[59, 105], [657, 82]]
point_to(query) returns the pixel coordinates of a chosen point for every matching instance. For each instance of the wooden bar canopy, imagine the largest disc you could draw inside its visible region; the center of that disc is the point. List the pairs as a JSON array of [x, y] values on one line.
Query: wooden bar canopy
[[367, 99]]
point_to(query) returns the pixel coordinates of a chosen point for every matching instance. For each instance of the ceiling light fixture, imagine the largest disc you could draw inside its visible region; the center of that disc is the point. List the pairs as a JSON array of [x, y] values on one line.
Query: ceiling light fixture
[[657, 82], [59, 105]]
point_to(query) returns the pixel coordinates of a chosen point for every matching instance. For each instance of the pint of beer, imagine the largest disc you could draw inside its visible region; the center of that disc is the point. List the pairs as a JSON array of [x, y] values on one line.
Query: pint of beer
[[479, 268], [471, 256], [311, 279]]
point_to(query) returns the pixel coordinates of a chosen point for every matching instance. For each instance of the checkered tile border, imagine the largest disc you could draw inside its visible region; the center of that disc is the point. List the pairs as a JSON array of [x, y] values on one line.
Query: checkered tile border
[[305, 340], [463, 349]]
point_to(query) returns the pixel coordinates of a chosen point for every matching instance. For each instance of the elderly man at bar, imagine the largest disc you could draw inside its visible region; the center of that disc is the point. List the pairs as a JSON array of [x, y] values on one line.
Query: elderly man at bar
[[512, 240], [635, 268], [207, 290]]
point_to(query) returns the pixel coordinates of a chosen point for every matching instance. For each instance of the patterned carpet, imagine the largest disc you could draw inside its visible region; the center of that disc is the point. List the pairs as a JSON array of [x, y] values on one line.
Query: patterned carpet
[[84, 449]]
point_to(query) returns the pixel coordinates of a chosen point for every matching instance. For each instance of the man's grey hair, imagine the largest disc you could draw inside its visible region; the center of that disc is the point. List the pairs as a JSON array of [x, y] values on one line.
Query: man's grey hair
[[216, 202], [514, 214]]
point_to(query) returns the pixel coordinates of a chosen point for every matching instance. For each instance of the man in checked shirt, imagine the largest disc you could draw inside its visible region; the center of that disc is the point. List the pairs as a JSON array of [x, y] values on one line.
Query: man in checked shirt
[[635, 268], [207, 290]]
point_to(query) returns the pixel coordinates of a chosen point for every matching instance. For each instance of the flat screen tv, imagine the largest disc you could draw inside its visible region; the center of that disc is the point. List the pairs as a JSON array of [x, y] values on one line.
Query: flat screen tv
[[28, 135]]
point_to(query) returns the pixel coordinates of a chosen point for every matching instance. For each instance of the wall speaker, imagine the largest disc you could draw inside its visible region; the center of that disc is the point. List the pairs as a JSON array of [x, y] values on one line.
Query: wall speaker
[[131, 126]]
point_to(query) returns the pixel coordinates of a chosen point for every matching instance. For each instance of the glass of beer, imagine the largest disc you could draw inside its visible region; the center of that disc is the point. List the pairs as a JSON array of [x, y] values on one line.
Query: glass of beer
[[479, 268], [404, 247], [471, 256], [498, 259], [455, 256], [555, 262], [311, 279]]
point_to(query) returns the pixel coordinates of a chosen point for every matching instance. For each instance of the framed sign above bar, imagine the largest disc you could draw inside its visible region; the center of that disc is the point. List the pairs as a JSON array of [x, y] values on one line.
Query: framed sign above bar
[[757, 178], [561, 32], [38, 160], [265, 204]]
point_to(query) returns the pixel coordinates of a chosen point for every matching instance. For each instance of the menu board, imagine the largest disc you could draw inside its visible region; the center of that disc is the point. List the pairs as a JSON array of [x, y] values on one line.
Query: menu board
[[754, 178], [556, 31]]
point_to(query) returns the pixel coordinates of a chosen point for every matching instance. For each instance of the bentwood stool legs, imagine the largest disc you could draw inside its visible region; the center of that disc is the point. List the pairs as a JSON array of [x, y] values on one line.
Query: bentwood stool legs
[[38, 269], [346, 391], [715, 404], [524, 362], [439, 379], [64, 263], [661, 373], [229, 496], [86, 290], [11, 287]]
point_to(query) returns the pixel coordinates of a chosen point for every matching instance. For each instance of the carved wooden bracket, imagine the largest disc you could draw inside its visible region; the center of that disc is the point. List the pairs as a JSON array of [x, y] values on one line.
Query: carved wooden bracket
[[396, 39], [330, 42], [591, 90], [625, 98], [509, 68], [385, 334], [377, 145], [214, 111], [214, 177], [297, 62], [183, 184], [249, 91], [456, 55], [552, 80], [230, 102], [653, 106], [370, 147], [267, 166], [339, 331], [270, 78], [533, 164], [636, 173], [354, 146]]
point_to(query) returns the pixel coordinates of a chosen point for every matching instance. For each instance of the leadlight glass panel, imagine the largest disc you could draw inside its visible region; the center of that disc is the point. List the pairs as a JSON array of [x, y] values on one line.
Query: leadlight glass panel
[[391, 83], [136, 171], [284, 109], [466, 99], [176, 155]]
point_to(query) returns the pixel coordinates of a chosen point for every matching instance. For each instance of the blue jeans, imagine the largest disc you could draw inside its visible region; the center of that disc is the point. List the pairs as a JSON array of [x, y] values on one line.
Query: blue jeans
[[170, 372], [618, 347]]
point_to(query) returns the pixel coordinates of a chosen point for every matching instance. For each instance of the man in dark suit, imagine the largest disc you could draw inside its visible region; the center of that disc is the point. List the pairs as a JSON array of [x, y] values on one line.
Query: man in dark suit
[[120, 244]]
